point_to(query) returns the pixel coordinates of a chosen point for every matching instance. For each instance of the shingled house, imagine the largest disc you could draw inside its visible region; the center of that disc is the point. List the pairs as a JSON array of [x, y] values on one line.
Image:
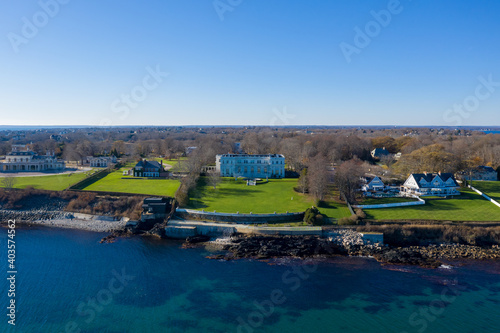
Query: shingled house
[[426, 184], [479, 173]]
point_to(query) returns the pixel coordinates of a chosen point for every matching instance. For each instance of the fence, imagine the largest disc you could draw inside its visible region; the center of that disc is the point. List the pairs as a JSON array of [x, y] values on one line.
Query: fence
[[484, 195], [391, 205]]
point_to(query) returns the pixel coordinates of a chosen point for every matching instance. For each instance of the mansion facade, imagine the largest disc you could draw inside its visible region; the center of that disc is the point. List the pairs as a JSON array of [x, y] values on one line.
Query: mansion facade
[[435, 184], [23, 159], [101, 161], [251, 166]]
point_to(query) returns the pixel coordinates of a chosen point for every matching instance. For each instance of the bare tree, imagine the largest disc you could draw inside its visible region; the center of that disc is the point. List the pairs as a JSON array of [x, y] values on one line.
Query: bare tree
[[302, 182], [317, 178], [348, 178], [9, 182], [214, 178]]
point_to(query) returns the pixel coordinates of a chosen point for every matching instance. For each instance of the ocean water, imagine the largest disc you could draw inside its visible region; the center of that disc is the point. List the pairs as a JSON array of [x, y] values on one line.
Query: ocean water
[[68, 282]]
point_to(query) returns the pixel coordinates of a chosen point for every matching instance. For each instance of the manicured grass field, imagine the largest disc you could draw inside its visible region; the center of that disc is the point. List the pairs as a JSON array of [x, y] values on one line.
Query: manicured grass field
[[491, 189], [116, 182], [379, 201], [469, 207], [52, 183], [275, 196], [174, 163]]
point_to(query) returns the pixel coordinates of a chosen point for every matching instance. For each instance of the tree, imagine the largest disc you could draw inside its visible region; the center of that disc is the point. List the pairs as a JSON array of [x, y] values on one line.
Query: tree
[[9, 182], [431, 158], [317, 178], [386, 142], [302, 182], [348, 178], [214, 178]]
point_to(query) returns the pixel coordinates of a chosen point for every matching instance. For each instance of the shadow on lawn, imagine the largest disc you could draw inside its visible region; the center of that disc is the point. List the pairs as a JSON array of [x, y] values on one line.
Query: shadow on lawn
[[329, 205]]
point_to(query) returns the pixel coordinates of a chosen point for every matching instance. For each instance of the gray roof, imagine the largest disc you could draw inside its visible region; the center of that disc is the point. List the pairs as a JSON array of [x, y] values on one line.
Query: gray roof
[[148, 164], [430, 176], [484, 168], [380, 152]]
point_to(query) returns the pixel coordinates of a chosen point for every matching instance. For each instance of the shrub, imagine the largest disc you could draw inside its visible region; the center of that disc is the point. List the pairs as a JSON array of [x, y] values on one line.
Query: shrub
[[318, 220], [360, 214], [310, 215], [351, 220]]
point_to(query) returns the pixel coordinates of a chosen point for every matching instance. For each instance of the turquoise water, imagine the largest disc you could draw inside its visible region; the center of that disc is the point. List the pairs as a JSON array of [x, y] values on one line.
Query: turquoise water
[[67, 282]]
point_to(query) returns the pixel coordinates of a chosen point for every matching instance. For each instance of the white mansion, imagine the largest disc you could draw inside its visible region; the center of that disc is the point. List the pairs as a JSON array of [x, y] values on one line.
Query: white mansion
[[251, 166], [23, 159], [438, 184]]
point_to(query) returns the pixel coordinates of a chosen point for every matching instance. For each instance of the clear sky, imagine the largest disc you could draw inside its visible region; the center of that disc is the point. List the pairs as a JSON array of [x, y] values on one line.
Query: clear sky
[[250, 62]]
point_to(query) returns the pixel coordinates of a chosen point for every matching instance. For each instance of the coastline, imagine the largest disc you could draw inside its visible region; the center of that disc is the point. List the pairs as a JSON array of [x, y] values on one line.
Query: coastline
[[268, 247], [93, 224]]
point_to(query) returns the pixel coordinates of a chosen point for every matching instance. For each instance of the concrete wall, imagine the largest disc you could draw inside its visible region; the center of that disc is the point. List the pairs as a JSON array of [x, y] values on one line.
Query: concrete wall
[[190, 214], [180, 232], [216, 229]]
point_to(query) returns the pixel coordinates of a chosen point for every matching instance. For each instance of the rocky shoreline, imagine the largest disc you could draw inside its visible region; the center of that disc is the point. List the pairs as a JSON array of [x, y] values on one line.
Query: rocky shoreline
[[267, 247], [59, 219]]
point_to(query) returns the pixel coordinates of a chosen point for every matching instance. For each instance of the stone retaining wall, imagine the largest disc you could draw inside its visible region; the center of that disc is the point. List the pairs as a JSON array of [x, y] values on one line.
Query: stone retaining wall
[[190, 214]]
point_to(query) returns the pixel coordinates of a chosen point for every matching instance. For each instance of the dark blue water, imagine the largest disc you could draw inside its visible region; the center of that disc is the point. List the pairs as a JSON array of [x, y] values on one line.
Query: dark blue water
[[68, 282], [492, 132]]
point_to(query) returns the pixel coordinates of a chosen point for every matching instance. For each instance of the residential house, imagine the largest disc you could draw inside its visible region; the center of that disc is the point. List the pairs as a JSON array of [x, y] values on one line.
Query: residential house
[[375, 187], [372, 184], [152, 169], [378, 153], [100, 162], [426, 184], [479, 173], [21, 158], [251, 166]]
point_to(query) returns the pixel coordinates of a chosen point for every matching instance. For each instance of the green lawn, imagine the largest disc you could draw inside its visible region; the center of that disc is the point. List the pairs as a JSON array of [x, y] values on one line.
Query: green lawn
[[116, 182], [174, 163], [469, 207], [379, 201], [52, 183], [275, 196], [491, 189]]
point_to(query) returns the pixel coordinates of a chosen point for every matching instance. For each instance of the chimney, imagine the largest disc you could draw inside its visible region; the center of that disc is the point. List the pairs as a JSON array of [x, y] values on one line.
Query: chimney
[[425, 173], [439, 173], [161, 163]]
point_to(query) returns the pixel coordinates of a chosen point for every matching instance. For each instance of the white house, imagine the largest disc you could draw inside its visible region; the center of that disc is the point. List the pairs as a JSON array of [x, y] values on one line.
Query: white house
[[251, 166], [101, 162], [23, 159], [438, 184], [375, 187], [372, 184]]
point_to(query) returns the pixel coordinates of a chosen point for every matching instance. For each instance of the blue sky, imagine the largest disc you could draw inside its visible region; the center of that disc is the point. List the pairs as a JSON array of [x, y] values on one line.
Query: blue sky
[[250, 62]]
